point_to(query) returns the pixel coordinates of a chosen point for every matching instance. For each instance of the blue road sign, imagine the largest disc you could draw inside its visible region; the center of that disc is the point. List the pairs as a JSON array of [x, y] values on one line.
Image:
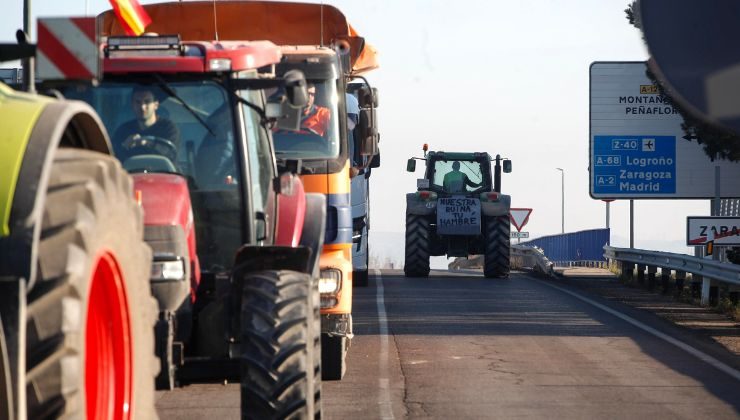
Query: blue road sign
[[634, 165]]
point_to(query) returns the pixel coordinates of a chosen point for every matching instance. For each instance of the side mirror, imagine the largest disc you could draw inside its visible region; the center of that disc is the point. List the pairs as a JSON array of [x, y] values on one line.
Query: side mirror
[[507, 166], [368, 133], [295, 88], [375, 162], [367, 97], [411, 165], [287, 117]]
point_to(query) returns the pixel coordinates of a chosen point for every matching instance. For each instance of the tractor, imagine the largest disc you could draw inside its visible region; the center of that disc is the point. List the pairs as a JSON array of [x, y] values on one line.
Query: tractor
[[318, 41], [458, 211]]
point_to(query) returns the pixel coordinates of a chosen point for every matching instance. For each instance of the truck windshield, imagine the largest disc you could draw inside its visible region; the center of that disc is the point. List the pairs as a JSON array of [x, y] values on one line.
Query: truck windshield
[[152, 131], [318, 137], [457, 176]]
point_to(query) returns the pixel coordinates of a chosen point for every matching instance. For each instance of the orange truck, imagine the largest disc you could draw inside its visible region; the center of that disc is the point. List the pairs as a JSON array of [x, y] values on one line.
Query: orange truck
[[318, 40]]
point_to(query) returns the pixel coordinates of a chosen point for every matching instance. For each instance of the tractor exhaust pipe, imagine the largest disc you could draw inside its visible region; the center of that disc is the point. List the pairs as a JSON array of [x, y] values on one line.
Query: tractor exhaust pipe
[[497, 175]]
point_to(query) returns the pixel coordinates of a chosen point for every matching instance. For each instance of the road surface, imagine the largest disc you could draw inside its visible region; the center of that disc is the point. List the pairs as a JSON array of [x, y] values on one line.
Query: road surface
[[457, 345]]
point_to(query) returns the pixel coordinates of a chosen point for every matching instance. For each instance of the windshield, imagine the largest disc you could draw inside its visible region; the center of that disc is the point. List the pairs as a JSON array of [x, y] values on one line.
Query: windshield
[[318, 137], [152, 131], [457, 176]]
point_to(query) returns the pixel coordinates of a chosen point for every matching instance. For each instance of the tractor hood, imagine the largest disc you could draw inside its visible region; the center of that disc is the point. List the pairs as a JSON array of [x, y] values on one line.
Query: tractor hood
[[165, 199]]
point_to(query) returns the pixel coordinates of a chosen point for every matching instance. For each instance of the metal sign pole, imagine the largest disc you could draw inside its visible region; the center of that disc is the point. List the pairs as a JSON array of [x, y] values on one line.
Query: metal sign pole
[[632, 223], [716, 204], [29, 78], [607, 214]]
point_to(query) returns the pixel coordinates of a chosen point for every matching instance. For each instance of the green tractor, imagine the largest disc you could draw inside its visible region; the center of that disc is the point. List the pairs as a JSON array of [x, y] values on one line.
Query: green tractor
[[458, 211]]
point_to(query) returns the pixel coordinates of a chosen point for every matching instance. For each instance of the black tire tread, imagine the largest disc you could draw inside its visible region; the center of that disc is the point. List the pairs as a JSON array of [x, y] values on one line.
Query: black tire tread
[[418, 246], [277, 361], [497, 262]]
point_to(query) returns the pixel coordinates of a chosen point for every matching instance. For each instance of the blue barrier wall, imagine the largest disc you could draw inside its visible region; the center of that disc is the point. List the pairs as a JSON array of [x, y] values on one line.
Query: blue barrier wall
[[586, 245]]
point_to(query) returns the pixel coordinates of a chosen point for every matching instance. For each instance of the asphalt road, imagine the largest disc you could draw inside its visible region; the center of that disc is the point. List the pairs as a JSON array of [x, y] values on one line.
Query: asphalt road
[[458, 345]]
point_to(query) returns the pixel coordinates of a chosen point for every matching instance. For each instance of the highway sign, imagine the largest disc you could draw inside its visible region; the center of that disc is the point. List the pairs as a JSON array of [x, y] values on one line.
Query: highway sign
[[520, 235], [519, 217], [636, 149], [724, 231]]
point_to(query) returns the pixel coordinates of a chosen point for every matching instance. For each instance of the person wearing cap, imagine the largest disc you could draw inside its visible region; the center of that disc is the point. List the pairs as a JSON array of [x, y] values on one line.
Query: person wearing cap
[[455, 181]]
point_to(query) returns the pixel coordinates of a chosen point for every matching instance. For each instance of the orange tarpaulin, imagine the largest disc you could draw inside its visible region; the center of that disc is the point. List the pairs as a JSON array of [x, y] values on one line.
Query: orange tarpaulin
[[283, 23]]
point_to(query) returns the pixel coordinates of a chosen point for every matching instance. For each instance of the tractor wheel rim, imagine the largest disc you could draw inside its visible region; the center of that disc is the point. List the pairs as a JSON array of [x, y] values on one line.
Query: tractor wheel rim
[[108, 355]]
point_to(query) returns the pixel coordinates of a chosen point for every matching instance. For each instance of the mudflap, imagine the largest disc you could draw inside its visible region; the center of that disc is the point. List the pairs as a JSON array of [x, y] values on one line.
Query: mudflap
[[250, 258]]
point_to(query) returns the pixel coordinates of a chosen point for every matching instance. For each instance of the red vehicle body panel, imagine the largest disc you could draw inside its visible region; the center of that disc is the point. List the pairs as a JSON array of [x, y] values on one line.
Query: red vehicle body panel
[[166, 201], [291, 212]]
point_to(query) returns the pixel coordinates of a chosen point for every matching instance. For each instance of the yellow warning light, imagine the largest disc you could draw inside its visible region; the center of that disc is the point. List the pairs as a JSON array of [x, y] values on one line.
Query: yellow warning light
[[710, 248]]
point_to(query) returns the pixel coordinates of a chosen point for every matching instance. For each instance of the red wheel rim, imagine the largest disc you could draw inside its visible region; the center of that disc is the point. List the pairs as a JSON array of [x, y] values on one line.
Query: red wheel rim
[[108, 356]]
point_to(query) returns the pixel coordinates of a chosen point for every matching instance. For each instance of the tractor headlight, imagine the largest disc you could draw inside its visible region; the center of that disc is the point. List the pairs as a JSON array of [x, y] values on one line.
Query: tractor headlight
[[168, 270], [330, 281]]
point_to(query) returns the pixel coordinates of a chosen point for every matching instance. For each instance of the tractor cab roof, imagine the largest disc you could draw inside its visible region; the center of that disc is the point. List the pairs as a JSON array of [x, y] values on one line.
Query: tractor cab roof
[[167, 54], [458, 155]]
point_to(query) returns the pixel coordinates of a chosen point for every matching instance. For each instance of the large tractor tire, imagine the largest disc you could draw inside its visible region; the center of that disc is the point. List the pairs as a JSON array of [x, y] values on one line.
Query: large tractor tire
[[418, 246], [497, 262], [90, 315], [279, 345]]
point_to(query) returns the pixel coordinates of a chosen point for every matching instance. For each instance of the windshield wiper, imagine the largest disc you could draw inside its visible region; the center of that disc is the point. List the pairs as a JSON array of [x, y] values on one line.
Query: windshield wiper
[[472, 171], [168, 90]]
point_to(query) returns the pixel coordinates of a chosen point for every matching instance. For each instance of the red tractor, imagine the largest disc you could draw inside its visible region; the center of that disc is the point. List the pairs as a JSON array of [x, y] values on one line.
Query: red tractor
[[190, 122]]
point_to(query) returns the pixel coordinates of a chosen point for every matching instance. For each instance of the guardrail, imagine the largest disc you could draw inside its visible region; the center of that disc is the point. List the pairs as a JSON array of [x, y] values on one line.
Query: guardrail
[[704, 270], [530, 257]]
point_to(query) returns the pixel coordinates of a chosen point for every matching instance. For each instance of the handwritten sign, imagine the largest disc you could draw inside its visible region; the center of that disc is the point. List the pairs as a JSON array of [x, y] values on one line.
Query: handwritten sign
[[458, 216]]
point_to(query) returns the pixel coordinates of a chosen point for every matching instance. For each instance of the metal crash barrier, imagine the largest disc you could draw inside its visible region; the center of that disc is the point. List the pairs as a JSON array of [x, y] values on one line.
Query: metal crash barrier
[[705, 271]]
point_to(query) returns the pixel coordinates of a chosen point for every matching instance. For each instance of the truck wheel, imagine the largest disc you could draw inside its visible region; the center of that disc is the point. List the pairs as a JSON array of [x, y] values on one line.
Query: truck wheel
[[333, 357], [89, 344], [497, 262], [418, 247], [359, 277], [278, 343]]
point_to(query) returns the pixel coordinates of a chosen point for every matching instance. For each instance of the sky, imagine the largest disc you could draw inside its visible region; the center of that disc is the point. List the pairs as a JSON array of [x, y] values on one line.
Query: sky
[[504, 77]]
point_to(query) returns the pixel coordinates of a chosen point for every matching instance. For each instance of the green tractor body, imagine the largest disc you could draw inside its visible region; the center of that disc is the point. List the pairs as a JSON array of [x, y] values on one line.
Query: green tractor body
[[458, 211]]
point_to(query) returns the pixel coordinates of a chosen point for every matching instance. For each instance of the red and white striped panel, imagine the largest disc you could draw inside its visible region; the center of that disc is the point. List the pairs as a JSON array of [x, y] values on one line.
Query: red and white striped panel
[[67, 49]]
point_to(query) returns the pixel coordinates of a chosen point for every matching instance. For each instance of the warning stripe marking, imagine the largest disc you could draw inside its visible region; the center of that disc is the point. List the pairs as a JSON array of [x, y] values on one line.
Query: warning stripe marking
[[70, 48]]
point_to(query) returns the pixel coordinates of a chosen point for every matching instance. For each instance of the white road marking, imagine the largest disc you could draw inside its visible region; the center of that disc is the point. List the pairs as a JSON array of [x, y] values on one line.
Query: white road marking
[[384, 398], [665, 337]]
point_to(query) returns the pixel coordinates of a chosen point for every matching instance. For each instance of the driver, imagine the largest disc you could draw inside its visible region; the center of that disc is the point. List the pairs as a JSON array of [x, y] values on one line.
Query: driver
[[455, 181], [315, 118], [146, 127]]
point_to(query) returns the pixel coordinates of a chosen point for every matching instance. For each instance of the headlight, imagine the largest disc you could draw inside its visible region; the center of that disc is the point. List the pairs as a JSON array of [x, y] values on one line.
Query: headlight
[[330, 281], [168, 270]]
